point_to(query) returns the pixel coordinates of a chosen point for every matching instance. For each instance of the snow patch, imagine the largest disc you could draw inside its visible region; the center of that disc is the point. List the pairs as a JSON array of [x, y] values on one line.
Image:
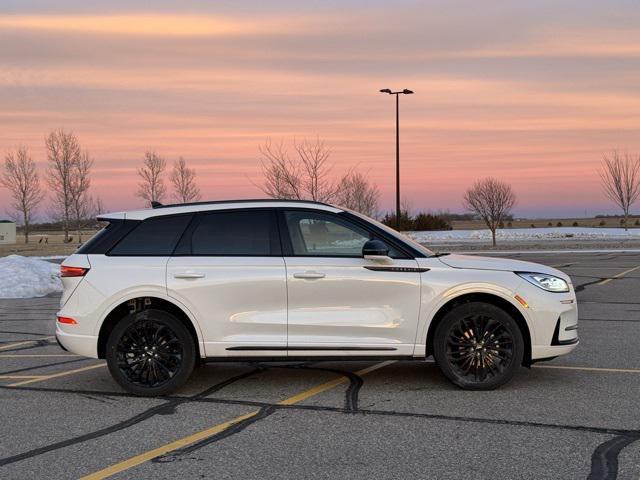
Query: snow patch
[[26, 277], [524, 234]]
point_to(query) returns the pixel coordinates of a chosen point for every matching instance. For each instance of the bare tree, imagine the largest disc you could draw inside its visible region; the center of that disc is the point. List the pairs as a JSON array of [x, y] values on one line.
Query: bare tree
[[80, 183], [305, 177], [492, 200], [63, 153], [151, 188], [357, 193], [184, 182], [22, 180], [97, 207], [620, 176]]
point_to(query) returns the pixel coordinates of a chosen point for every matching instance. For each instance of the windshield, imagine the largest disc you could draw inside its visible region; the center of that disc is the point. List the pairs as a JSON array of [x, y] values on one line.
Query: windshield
[[392, 232]]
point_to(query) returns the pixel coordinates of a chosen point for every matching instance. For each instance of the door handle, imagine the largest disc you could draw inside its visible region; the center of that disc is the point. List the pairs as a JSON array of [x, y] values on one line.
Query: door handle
[[188, 275], [309, 275]]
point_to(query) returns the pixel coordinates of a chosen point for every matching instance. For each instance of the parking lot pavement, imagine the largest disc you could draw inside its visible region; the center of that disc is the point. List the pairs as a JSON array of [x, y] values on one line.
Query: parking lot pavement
[[574, 417]]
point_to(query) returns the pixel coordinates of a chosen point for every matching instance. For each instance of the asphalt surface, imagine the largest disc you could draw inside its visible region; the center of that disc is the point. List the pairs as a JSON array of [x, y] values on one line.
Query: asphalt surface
[[575, 417]]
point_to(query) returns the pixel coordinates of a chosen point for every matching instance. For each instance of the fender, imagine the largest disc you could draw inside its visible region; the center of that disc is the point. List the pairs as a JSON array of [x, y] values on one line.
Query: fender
[[458, 291], [155, 292]]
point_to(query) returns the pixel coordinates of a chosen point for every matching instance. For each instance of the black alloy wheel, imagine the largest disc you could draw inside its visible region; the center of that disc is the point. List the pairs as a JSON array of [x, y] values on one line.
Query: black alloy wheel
[[150, 353], [478, 346]]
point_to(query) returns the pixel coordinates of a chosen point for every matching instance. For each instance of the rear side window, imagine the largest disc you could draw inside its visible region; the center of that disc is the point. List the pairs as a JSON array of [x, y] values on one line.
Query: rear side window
[[156, 236], [235, 233]]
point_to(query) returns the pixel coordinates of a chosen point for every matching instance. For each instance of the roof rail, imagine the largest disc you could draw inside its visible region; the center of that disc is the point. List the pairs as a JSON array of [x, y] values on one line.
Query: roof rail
[[244, 200]]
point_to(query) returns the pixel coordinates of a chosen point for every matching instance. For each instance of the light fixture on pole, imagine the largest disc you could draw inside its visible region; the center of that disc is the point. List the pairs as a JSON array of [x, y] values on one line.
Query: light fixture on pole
[[397, 94]]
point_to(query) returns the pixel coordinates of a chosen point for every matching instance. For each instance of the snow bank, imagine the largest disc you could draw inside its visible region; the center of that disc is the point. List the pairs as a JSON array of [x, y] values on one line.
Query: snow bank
[[25, 277], [525, 234]]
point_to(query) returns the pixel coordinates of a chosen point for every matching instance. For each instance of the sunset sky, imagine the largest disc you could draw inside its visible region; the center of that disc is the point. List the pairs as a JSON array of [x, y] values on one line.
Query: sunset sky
[[530, 92]]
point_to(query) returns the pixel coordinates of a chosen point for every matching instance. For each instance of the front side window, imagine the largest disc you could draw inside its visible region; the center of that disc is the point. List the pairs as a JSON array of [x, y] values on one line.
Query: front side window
[[235, 233], [320, 234], [155, 236]]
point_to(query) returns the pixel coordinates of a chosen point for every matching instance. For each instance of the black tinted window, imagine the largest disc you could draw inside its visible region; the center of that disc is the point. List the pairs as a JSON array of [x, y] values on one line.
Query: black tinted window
[[106, 238], [247, 233], [154, 236]]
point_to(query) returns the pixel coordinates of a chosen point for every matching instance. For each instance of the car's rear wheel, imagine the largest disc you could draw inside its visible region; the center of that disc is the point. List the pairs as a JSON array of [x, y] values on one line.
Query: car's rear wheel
[[478, 346], [151, 353]]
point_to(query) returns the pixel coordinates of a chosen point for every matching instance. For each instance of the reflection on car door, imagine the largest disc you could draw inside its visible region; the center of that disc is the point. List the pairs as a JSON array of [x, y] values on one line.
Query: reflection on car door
[[340, 303]]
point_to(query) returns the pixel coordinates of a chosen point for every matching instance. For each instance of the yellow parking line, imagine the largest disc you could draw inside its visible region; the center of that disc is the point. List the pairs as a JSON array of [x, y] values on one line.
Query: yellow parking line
[[11, 355], [591, 369], [56, 375], [209, 432], [15, 377], [26, 342], [619, 275]]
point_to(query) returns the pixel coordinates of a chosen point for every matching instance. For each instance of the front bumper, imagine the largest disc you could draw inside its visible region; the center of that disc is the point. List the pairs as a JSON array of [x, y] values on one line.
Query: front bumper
[[552, 320], [541, 352]]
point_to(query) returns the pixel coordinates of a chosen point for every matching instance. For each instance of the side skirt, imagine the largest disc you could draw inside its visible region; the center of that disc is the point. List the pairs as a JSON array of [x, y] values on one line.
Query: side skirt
[[313, 358]]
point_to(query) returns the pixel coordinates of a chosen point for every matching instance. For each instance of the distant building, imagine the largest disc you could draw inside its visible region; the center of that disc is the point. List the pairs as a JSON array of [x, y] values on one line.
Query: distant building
[[7, 231]]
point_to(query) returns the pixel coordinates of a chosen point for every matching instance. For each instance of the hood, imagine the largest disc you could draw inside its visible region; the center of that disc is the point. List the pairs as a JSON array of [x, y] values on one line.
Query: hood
[[501, 264]]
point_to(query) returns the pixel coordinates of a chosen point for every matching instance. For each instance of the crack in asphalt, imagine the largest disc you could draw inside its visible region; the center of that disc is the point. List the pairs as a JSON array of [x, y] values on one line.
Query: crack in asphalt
[[25, 333], [167, 408], [26, 369], [626, 320], [350, 406], [353, 390], [582, 286], [181, 453], [604, 461], [35, 344]]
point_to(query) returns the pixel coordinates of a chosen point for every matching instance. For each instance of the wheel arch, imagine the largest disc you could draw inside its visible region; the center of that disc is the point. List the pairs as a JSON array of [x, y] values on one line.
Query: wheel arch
[[485, 297], [144, 302]]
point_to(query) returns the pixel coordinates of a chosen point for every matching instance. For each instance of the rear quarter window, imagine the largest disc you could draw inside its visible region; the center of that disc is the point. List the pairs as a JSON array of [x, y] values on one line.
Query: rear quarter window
[[106, 238], [155, 236]]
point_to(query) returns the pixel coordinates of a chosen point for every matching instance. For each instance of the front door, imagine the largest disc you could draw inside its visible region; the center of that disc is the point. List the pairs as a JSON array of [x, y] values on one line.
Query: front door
[[229, 272], [340, 303]]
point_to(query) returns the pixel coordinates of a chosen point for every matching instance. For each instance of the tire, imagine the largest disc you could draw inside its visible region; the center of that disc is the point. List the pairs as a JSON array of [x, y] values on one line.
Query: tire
[[150, 353], [478, 346]]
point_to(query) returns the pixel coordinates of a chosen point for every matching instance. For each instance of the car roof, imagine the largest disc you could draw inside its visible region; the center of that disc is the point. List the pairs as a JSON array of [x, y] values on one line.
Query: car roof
[[162, 210]]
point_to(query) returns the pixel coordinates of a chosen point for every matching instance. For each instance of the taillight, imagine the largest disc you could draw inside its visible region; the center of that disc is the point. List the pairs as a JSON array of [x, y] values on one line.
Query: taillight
[[67, 320], [72, 271]]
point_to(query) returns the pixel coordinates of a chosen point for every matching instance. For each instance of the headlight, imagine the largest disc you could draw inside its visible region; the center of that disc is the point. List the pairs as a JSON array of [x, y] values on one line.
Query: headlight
[[545, 282]]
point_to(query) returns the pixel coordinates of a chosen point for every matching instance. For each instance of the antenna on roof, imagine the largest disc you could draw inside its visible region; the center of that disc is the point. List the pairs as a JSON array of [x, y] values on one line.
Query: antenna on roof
[[155, 204]]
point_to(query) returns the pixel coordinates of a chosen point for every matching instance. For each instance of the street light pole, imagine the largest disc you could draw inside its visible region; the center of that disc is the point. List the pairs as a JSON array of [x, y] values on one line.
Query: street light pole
[[398, 212], [397, 94]]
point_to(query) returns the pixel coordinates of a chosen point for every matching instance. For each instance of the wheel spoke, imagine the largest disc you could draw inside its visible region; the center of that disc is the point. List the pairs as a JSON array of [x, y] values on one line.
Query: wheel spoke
[[149, 353], [479, 347]]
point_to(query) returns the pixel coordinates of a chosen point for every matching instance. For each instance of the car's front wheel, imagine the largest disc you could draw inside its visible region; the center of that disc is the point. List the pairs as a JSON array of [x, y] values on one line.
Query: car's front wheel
[[150, 353], [478, 346]]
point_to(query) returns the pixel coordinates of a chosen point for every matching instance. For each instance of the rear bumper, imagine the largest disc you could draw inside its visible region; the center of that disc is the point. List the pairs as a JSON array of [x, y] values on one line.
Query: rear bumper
[[84, 345]]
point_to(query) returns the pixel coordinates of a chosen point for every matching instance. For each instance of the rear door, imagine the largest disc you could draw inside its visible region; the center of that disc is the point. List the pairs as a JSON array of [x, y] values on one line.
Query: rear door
[[229, 271], [340, 303]]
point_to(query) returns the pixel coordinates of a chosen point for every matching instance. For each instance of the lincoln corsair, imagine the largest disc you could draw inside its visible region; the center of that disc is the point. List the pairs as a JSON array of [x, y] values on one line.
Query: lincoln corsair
[[160, 290]]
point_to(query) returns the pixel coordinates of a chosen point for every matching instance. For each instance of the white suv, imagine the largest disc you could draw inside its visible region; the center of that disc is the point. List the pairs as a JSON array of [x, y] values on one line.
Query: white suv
[[159, 290]]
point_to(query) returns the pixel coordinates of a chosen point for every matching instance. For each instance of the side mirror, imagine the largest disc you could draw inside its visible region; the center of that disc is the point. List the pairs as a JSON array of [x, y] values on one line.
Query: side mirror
[[377, 251]]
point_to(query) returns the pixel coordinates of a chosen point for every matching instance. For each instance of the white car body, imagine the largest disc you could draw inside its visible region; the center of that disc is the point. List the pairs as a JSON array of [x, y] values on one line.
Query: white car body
[[304, 306]]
